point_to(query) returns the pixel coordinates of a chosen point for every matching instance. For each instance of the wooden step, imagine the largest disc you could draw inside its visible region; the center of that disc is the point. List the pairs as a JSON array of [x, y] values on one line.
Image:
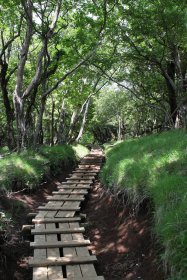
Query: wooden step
[[56, 220], [77, 188], [60, 244], [86, 278], [82, 177], [58, 208], [93, 167], [73, 192], [77, 181], [65, 199], [53, 261], [57, 231], [77, 171], [91, 162]]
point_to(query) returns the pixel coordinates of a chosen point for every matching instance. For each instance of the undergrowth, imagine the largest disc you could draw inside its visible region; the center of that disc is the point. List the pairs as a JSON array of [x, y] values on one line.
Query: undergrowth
[[155, 168], [28, 168]]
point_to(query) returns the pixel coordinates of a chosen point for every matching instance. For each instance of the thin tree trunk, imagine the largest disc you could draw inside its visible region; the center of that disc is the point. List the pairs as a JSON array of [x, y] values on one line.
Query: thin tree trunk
[[119, 127], [83, 121], [52, 122], [61, 128], [73, 122], [39, 125]]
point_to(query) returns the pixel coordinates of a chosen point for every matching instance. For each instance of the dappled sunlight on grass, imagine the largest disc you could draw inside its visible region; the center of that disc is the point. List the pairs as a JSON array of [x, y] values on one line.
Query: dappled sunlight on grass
[[80, 150], [28, 168], [155, 167]]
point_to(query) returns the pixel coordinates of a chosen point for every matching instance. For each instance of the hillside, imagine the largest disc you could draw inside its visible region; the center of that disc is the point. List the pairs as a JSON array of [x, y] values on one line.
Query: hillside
[[153, 168]]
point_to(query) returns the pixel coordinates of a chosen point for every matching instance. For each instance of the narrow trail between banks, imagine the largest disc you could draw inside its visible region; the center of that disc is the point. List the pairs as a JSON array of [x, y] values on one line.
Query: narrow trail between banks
[[121, 243]]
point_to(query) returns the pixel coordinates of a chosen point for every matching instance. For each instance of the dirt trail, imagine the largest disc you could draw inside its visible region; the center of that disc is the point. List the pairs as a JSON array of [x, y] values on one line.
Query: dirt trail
[[122, 243]]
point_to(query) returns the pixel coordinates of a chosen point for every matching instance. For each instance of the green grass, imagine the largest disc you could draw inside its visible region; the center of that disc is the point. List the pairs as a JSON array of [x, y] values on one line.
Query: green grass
[[28, 168], [155, 167], [80, 151]]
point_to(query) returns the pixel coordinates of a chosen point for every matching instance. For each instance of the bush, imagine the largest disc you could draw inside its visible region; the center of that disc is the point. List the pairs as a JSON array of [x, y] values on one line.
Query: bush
[[154, 167]]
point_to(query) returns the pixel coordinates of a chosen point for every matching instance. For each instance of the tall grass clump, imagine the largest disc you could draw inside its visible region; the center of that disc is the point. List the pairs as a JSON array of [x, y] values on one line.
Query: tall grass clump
[[28, 168], [155, 168]]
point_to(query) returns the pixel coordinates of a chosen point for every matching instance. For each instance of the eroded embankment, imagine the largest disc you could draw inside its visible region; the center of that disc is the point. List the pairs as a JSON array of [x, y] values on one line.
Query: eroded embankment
[[122, 242]]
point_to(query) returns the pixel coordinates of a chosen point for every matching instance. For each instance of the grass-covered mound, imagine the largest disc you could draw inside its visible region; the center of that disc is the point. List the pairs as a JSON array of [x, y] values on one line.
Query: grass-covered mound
[[28, 168], [155, 167]]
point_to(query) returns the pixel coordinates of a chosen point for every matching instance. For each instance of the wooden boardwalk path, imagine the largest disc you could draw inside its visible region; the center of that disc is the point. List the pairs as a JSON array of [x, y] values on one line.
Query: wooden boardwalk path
[[60, 250]]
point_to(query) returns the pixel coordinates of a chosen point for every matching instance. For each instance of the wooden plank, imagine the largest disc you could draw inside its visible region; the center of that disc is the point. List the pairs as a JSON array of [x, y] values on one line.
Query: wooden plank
[[68, 213], [91, 162], [59, 208], [79, 181], [57, 230], [73, 271], [77, 171], [74, 188], [72, 182], [39, 255], [56, 261], [86, 278], [89, 169], [53, 272], [59, 244], [73, 192], [55, 220], [83, 177], [87, 269], [40, 273], [66, 199], [89, 166]]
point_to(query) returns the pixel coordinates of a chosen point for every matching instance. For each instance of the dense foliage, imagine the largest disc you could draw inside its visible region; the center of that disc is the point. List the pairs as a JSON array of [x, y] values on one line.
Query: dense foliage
[[56, 56], [154, 168], [94, 71]]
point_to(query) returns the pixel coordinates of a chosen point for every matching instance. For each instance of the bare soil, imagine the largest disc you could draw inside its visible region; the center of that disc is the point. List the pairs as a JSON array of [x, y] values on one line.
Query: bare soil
[[123, 243]]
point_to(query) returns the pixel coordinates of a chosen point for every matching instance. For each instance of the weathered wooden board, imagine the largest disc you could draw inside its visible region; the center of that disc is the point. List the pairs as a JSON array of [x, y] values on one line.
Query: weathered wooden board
[[71, 191], [65, 199], [59, 208], [57, 230], [55, 220], [55, 261]]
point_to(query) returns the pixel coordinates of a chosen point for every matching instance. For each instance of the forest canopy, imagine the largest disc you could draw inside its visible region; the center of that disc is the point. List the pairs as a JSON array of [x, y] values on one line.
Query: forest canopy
[[56, 57]]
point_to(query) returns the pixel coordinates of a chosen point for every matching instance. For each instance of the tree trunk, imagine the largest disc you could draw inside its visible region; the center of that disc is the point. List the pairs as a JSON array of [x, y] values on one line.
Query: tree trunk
[[83, 121], [73, 122], [172, 94], [52, 122], [18, 91], [119, 127], [8, 109], [61, 128], [39, 126]]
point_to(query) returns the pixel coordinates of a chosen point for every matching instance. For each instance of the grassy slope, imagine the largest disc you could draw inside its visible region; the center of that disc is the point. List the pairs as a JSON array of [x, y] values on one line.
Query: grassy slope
[[156, 167], [29, 168]]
